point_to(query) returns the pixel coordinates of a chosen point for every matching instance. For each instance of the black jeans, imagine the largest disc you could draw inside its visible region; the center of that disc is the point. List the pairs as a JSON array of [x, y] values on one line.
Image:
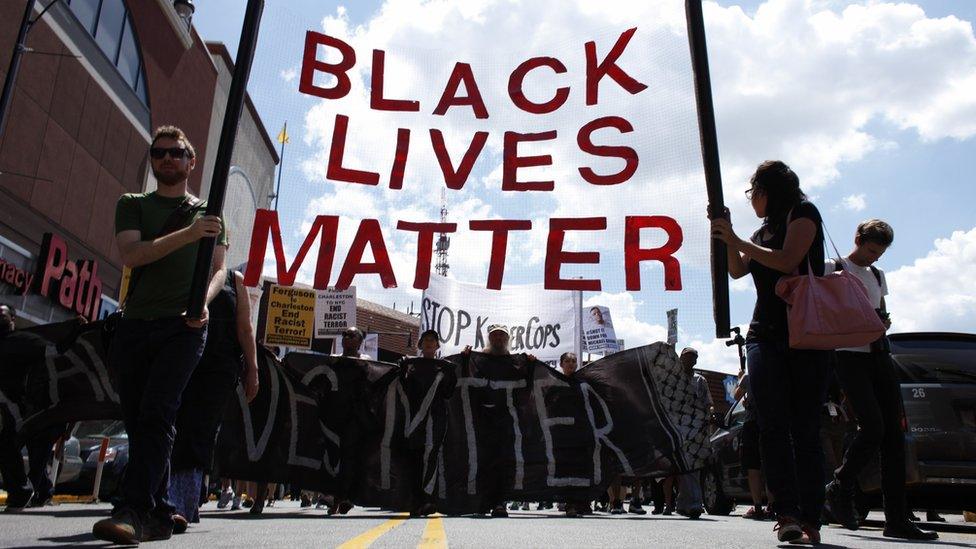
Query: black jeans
[[788, 389], [874, 393], [12, 463], [207, 394], [154, 360], [40, 448]]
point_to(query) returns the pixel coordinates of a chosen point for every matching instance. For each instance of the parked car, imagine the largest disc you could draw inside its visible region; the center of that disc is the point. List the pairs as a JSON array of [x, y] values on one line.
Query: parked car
[[70, 467], [90, 435], [937, 373]]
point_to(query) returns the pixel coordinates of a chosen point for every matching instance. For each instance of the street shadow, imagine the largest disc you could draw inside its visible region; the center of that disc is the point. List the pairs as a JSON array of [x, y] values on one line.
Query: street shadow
[[73, 541], [948, 527], [938, 542], [72, 513], [232, 515]]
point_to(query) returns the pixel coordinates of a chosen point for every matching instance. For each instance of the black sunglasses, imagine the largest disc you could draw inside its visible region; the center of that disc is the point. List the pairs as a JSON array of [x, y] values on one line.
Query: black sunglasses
[[176, 153]]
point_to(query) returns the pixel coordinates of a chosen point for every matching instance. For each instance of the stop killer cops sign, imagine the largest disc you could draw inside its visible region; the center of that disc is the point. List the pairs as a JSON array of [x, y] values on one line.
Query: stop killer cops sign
[[540, 323], [571, 160]]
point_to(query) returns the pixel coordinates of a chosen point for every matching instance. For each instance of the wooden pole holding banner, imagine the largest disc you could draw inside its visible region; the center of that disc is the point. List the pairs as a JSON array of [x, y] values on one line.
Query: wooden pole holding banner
[[225, 149], [710, 161]]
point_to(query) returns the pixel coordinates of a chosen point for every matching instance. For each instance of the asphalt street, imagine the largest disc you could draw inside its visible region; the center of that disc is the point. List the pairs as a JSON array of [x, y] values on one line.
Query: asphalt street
[[286, 525]]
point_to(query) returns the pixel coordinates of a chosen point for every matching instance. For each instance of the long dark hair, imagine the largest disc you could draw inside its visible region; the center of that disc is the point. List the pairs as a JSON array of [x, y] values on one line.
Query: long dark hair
[[781, 186]]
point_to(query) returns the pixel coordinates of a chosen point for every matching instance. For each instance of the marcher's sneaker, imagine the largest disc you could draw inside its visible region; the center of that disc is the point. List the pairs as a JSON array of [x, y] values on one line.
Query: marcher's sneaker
[[908, 530], [499, 512], [158, 528], [811, 535], [305, 501], [635, 508], [180, 524], [42, 501], [571, 511], [668, 510], [124, 527], [248, 502], [225, 498], [513, 506], [617, 508], [756, 513], [341, 507], [17, 504], [585, 509], [693, 514], [657, 510], [840, 504], [787, 529], [560, 507], [934, 516], [257, 508]]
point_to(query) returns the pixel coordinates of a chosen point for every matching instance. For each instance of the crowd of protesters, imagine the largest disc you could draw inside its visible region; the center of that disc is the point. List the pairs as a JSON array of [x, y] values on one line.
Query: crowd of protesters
[[177, 373]]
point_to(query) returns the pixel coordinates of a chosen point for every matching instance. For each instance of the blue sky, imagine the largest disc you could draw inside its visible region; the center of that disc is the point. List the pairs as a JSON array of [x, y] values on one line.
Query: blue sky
[[908, 158]]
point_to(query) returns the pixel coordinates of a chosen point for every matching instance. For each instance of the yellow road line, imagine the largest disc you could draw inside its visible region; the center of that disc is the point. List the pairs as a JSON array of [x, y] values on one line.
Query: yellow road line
[[434, 536], [366, 538]]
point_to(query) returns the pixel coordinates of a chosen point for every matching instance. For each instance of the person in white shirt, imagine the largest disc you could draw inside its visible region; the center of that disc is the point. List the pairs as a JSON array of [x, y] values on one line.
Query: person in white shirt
[[867, 376]]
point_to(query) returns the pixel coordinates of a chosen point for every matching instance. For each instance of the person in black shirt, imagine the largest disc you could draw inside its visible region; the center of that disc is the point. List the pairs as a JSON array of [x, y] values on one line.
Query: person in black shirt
[[788, 385], [417, 376], [21, 351]]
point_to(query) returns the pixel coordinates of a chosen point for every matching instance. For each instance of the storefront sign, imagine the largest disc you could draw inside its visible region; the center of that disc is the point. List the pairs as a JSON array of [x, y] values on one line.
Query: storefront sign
[[73, 284], [13, 275]]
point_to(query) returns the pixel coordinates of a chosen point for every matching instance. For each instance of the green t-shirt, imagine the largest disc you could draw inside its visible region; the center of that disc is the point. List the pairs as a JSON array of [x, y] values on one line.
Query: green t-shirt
[[163, 287]]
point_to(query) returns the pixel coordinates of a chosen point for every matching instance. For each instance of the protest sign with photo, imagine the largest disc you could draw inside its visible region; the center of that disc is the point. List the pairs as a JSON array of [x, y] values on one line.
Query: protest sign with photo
[[598, 333], [540, 323]]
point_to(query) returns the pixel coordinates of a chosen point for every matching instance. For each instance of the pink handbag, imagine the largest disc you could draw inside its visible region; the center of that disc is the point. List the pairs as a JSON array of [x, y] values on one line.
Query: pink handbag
[[828, 312]]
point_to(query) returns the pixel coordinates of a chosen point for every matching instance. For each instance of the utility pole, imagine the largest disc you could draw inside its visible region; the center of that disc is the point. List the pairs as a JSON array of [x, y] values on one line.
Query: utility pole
[[20, 48]]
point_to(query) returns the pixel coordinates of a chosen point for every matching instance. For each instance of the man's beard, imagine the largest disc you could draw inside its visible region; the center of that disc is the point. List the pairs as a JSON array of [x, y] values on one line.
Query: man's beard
[[170, 178]]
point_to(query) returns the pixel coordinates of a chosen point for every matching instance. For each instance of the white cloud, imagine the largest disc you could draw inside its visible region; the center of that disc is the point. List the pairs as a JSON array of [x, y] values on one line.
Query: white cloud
[[289, 74], [936, 292], [854, 202]]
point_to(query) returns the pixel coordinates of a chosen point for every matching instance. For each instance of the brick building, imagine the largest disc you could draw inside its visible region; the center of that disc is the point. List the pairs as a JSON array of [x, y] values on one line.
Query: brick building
[[98, 77]]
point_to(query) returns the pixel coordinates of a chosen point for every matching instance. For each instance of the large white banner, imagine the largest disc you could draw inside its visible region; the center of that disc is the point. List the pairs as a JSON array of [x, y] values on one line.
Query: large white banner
[[541, 323], [598, 333]]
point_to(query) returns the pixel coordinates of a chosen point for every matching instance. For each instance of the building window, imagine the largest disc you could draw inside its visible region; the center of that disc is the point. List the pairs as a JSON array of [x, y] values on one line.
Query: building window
[[109, 24]]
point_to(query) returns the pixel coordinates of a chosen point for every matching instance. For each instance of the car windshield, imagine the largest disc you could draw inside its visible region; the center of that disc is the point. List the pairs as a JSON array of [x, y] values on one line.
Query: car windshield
[[100, 428], [948, 360]]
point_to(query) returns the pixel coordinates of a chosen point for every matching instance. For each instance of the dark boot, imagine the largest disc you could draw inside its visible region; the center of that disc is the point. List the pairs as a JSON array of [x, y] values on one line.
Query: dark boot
[[905, 529], [124, 527], [840, 504]]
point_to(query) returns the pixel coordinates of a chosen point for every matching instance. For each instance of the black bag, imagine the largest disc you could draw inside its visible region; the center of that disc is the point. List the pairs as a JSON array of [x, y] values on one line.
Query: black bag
[[176, 220]]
